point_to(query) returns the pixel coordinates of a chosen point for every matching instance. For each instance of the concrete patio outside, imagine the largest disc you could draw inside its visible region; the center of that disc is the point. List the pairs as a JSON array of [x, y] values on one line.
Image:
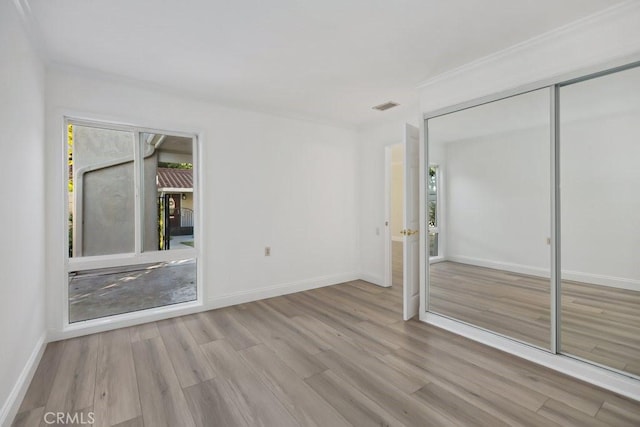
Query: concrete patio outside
[[106, 292]]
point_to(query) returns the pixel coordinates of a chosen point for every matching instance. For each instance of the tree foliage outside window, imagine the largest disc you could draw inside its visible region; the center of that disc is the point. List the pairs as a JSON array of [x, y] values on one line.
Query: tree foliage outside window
[[175, 165], [70, 183], [432, 196]]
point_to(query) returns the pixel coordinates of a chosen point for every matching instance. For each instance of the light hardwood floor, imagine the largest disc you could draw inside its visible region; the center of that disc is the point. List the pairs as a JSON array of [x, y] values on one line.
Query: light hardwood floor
[[599, 323], [396, 264], [335, 356]]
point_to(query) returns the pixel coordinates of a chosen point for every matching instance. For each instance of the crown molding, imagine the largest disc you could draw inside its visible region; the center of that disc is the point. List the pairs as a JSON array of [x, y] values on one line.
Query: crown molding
[[23, 8], [69, 70], [583, 24]]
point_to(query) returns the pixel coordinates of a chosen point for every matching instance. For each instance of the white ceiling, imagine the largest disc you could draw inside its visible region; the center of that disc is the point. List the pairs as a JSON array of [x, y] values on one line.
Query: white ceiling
[[330, 60]]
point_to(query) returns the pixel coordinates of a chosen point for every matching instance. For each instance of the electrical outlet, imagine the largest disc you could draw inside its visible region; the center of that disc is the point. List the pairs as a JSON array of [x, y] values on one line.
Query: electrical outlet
[[267, 251]]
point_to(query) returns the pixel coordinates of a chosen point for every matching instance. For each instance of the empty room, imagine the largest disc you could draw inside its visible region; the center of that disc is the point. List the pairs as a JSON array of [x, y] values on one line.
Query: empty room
[[320, 213]]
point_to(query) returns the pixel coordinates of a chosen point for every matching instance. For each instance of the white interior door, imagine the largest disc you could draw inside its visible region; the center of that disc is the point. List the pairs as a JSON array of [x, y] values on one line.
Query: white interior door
[[411, 240]]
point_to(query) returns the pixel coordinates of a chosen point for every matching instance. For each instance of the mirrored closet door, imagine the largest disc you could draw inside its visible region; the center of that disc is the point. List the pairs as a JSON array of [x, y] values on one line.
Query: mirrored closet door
[[600, 220], [494, 221]]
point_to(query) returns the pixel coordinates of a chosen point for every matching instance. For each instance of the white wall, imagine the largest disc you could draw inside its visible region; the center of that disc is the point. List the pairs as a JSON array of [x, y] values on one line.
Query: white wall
[[22, 250], [266, 181], [372, 140], [600, 200]]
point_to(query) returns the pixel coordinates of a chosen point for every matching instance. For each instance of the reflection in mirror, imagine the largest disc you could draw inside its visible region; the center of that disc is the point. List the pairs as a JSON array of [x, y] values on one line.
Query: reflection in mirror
[[168, 192], [600, 220], [492, 220], [432, 210], [109, 291]]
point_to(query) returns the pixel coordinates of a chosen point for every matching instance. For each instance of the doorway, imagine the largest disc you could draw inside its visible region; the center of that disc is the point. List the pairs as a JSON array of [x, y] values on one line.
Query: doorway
[[174, 210], [394, 162]]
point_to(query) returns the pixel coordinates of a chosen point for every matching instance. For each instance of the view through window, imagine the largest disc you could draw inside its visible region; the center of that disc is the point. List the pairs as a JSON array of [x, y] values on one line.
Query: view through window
[[131, 220]]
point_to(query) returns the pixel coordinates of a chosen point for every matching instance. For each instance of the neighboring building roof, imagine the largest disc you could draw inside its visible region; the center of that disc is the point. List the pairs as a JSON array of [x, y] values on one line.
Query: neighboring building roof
[[175, 178]]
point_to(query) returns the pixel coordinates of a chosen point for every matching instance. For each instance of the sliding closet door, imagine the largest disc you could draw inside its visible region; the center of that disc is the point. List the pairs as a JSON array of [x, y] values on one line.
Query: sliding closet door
[[494, 221], [600, 220]]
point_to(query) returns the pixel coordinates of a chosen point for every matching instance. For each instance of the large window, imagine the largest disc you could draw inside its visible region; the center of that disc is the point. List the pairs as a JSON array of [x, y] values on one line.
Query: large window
[[132, 219]]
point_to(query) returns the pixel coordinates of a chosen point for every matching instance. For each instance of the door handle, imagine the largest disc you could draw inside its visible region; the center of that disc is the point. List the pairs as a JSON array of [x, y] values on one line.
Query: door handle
[[408, 232]]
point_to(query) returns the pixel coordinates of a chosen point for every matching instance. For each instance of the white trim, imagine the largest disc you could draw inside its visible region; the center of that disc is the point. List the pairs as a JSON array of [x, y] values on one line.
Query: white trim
[[423, 159], [602, 280], [280, 289], [376, 280], [555, 305], [138, 192], [604, 378], [575, 276], [175, 190], [498, 265], [14, 400], [182, 93], [124, 320], [117, 260]]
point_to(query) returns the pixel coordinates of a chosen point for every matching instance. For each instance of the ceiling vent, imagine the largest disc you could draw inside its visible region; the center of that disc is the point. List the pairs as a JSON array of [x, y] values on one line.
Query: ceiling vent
[[386, 106]]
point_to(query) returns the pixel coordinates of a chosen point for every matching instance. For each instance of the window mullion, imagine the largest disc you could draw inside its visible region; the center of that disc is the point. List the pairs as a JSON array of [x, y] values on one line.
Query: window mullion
[[138, 162]]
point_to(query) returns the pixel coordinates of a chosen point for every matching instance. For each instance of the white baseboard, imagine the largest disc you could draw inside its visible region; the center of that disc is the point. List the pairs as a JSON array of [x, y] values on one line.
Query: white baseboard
[[12, 404], [278, 290], [597, 279], [591, 279], [514, 268], [372, 279], [161, 313]]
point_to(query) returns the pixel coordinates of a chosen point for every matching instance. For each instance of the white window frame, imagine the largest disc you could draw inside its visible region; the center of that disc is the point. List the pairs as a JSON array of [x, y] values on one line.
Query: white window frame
[[83, 263]]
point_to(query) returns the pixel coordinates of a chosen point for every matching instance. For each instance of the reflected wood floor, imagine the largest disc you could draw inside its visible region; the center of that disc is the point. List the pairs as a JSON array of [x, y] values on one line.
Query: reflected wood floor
[[334, 356], [599, 323]]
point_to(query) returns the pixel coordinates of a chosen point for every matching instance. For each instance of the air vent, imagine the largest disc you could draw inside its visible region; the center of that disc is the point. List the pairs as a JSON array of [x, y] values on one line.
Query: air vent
[[386, 106]]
